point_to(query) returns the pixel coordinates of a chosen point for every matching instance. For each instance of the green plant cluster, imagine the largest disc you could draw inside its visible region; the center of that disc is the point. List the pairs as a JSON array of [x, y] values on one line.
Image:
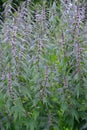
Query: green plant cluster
[[43, 67]]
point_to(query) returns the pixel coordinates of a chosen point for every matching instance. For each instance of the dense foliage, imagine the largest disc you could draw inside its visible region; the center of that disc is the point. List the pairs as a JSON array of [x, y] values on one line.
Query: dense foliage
[[43, 67]]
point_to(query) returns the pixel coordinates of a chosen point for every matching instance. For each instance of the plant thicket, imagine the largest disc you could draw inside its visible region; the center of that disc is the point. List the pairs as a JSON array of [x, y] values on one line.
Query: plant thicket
[[43, 67]]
